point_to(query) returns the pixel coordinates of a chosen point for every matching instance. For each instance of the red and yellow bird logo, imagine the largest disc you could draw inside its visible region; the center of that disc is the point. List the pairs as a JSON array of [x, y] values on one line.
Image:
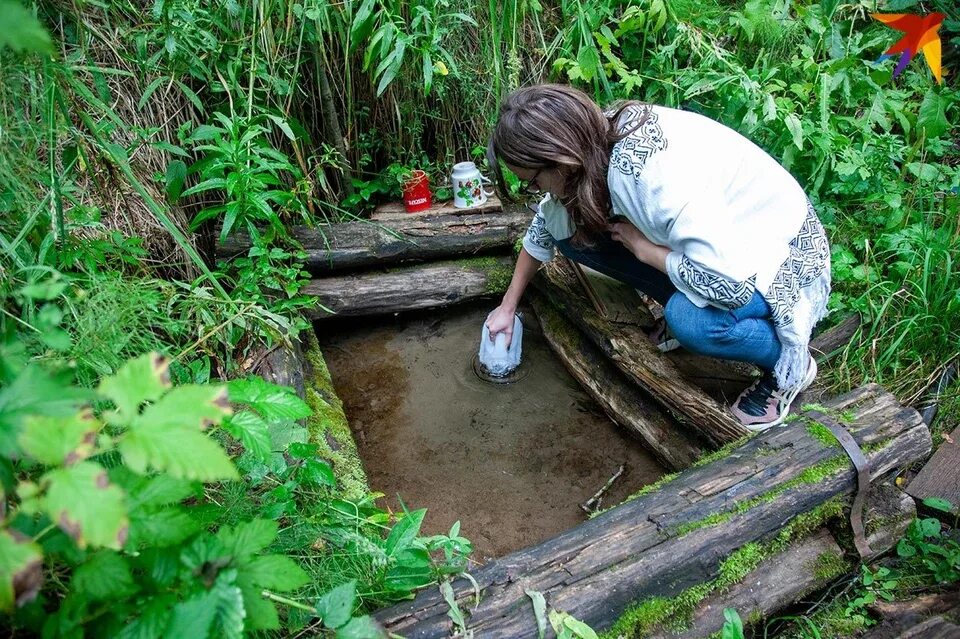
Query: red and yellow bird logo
[[921, 35]]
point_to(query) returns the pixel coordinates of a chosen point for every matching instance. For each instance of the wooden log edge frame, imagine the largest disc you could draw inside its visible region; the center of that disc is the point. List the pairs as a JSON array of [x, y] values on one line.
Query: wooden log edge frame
[[676, 535], [366, 244]]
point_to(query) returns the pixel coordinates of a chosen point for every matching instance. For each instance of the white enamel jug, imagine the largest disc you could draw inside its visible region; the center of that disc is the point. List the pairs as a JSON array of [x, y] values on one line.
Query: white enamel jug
[[467, 186]]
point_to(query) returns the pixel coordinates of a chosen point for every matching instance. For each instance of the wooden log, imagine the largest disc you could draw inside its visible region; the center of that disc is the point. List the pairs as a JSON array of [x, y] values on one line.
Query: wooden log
[[775, 584], [827, 344], [666, 541], [357, 245], [940, 476], [927, 617], [631, 351], [408, 288], [620, 399], [887, 515]]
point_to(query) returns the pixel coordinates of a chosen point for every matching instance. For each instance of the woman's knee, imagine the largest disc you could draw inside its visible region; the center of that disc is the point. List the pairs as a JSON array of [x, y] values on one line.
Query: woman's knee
[[700, 329]]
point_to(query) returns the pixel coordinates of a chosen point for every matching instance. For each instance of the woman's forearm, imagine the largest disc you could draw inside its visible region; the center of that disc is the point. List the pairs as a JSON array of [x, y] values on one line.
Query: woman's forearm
[[523, 272]]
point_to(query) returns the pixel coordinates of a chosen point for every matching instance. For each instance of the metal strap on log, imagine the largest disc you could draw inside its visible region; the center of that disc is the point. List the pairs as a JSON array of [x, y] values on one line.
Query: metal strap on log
[[863, 478]]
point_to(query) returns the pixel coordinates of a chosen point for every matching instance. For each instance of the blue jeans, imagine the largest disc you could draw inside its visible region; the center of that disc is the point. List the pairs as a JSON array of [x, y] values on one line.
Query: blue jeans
[[744, 334]]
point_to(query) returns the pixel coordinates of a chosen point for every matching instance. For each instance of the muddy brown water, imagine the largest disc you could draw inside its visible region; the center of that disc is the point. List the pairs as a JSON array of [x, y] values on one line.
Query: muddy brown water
[[511, 462]]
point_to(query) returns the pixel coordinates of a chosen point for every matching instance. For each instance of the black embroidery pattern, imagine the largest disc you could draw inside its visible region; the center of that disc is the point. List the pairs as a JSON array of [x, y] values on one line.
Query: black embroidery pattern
[[630, 154], [538, 234], [809, 253], [727, 293]]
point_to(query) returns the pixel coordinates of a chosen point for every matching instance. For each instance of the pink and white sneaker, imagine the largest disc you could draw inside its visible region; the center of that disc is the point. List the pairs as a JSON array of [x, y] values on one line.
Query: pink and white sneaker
[[763, 405]]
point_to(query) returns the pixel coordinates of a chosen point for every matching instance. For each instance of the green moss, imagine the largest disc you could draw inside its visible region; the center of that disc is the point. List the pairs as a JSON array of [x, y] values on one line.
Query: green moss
[[518, 245], [822, 434], [498, 279], [720, 453], [328, 427], [830, 564], [646, 490], [675, 613]]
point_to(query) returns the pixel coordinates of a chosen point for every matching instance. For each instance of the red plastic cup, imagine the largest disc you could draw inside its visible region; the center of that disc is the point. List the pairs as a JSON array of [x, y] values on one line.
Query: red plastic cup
[[416, 192]]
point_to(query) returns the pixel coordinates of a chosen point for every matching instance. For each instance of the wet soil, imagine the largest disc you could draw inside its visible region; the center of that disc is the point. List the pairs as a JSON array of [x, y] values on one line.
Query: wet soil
[[511, 462]]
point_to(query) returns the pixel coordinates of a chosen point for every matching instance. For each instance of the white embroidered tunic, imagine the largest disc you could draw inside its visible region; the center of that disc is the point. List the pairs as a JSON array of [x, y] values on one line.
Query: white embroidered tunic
[[735, 221]]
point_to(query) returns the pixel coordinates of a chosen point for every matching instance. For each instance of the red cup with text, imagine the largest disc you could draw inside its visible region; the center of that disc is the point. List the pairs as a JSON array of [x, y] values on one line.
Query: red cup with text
[[416, 192]]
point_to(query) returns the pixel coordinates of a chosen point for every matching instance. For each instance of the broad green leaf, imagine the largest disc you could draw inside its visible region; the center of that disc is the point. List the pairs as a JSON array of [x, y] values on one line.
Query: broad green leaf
[[390, 72], [539, 611], [362, 24], [404, 532], [60, 440], [318, 472], [176, 175], [152, 619], [454, 612], [261, 613], [275, 572], [360, 628], [248, 538], [252, 431], [336, 606], [160, 490], [21, 31], [20, 570], [938, 503], [167, 435], [732, 626], [106, 575], [565, 624], [271, 401], [589, 62], [161, 527], [795, 128], [182, 451], [932, 119], [412, 569], [83, 502], [139, 380], [218, 612], [34, 392]]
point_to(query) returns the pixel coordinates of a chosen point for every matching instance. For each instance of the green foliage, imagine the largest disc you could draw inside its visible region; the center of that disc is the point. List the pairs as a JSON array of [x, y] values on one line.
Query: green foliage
[[732, 625], [21, 31]]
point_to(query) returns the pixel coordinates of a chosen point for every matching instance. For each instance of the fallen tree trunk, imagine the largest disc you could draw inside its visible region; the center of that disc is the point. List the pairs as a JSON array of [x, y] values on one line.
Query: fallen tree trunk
[[358, 245], [409, 288], [631, 351], [621, 400], [674, 538], [775, 584]]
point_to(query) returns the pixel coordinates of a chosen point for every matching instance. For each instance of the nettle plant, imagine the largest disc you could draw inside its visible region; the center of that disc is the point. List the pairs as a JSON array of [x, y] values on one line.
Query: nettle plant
[[100, 532]]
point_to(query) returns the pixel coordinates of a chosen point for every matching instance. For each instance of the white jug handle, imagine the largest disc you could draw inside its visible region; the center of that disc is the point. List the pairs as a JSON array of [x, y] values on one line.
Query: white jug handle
[[487, 180]]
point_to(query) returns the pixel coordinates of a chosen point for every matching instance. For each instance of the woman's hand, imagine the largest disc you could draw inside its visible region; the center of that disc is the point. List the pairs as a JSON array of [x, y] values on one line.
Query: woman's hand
[[500, 320], [638, 244]]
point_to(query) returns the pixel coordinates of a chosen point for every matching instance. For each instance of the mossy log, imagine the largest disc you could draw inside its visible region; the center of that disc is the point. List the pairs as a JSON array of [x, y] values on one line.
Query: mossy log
[[359, 245], [620, 398], [780, 580], [668, 541], [409, 288], [631, 351], [301, 366]]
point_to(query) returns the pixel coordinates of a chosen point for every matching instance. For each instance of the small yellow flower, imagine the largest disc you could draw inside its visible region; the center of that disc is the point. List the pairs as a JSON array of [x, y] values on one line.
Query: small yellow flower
[[440, 67]]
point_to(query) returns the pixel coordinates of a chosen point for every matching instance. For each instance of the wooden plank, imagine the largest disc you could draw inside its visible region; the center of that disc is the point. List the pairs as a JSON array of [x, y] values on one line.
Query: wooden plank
[[396, 210], [357, 245], [408, 288], [940, 477], [671, 539], [620, 399]]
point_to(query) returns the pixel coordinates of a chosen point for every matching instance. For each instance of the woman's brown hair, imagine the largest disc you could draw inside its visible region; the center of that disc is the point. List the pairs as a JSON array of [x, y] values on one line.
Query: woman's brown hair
[[556, 126]]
